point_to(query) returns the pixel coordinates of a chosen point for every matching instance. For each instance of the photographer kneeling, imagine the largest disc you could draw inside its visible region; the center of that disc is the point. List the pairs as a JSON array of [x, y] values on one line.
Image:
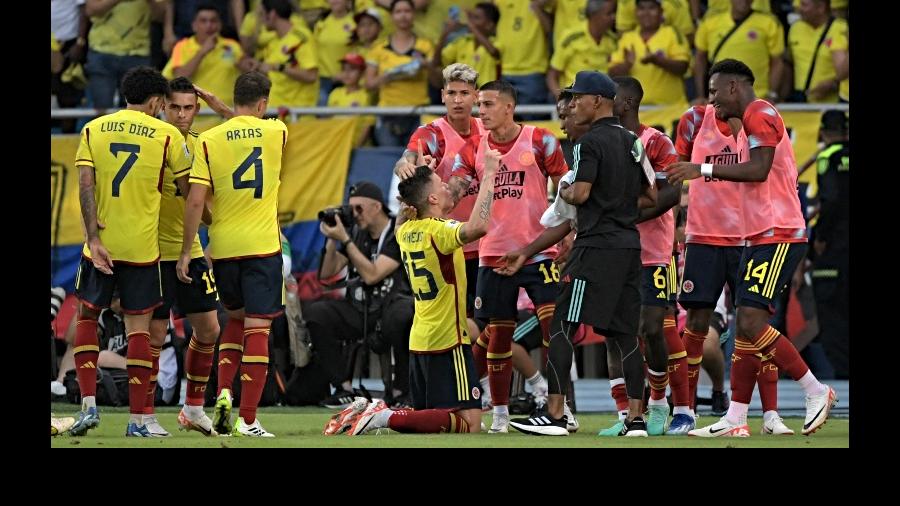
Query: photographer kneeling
[[378, 305]]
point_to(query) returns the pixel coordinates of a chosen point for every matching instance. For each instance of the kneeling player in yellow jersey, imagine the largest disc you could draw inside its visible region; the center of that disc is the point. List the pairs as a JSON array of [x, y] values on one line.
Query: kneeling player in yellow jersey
[[198, 300], [442, 377], [121, 160], [240, 161]]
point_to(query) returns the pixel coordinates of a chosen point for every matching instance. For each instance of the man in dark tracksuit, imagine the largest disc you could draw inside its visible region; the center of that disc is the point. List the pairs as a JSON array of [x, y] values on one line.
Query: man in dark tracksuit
[[831, 263]]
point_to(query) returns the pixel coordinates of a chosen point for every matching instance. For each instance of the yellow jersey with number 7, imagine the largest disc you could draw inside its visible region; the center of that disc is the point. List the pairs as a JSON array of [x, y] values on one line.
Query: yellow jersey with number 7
[[432, 254], [130, 151], [240, 160]]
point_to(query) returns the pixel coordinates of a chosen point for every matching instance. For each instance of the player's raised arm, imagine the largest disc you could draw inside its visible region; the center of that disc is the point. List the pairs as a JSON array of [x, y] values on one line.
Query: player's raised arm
[[477, 226], [405, 167], [214, 103]]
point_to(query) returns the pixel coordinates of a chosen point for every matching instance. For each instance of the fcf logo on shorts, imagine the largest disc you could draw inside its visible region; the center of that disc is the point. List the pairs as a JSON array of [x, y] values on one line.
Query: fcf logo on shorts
[[476, 393], [477, 302], [687, 286]]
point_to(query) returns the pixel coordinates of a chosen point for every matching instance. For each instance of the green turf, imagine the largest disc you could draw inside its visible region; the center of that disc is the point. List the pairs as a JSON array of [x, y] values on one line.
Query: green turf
[[302, 427]]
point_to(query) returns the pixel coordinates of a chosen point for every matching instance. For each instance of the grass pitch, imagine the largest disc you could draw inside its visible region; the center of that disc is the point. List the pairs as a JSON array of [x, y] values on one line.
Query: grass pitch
[[302, 427]]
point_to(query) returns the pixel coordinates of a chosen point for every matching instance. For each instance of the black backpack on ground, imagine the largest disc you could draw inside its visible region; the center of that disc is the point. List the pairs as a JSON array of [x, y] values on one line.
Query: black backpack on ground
[[112, 387]]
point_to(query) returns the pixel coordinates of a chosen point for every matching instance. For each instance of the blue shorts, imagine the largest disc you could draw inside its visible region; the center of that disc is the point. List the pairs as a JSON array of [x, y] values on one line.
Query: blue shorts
[[254, 284], [707, 269], [498, 295]]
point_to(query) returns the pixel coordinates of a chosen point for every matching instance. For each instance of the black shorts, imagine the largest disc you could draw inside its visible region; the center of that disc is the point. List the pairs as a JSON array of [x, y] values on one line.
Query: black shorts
[[765, 271], [600, 288], [138, 286], [200, 296], [707, 269], [528, 332], [659, 285], [471, 284], [498, 295], [444, 380], [255, 284]]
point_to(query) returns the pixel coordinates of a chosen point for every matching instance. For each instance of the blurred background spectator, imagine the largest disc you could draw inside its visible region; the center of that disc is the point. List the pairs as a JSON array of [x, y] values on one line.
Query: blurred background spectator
[[755, 38], [209, 59], [119, 39], [818, 45], [332, 35], [589, 45], [398, 71], [69, 29], [653, 53]]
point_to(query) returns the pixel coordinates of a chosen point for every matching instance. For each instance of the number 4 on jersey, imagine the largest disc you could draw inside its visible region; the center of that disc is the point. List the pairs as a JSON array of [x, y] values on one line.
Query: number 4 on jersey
[[257, 182]]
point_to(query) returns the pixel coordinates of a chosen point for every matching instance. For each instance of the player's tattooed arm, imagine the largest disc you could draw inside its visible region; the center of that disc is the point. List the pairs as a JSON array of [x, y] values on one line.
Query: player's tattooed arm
[[477, 226], [458, 187], [86, 186]]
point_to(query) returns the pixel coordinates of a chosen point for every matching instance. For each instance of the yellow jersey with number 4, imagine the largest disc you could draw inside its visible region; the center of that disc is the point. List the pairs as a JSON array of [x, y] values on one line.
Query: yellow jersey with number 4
[[240, 160], [171, 214], [130, 153], [433, 257]]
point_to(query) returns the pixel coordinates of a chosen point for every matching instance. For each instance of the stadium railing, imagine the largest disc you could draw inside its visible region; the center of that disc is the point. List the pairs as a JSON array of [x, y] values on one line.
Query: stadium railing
[[436, 110]]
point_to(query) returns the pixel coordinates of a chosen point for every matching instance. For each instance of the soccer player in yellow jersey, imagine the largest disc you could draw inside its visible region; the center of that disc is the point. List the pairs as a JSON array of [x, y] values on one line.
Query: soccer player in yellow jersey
[[240, 161], [442, 375], [198, 300], [122, 159]]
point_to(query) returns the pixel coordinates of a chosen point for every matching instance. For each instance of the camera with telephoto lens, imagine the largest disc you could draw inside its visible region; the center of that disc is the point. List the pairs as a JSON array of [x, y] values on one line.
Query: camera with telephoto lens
[[329, 216]]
